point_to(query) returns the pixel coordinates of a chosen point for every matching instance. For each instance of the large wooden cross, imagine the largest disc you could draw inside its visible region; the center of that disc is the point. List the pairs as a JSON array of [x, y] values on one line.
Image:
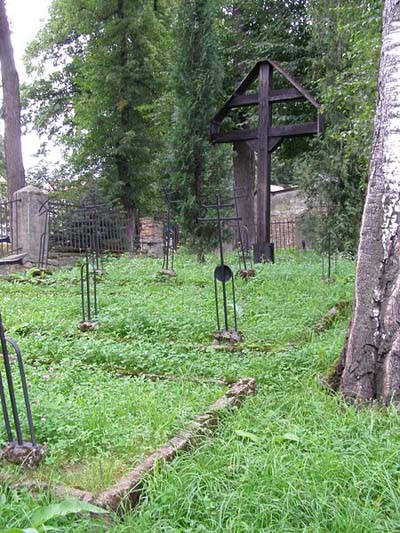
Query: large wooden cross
[[267, 137]]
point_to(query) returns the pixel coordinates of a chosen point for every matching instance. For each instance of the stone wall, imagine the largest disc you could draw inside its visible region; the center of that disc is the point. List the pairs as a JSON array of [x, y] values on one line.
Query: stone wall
[[287, 204], [29, 225], [286, 208]]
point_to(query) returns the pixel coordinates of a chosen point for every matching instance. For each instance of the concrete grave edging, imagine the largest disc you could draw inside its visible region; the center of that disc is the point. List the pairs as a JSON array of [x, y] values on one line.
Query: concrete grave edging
[[127, 491]]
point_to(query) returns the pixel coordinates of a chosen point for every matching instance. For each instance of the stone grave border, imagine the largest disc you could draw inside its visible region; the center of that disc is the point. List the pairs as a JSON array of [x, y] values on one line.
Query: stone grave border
[[126, 493]]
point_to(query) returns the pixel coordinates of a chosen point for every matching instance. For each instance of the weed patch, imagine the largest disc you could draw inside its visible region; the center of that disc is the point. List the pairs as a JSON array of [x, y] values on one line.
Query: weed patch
[[294, 458]]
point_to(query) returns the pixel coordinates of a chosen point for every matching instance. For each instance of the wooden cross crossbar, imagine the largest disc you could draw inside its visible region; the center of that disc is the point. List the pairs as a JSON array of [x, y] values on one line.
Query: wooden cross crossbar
[[267, 137], [287, 130]]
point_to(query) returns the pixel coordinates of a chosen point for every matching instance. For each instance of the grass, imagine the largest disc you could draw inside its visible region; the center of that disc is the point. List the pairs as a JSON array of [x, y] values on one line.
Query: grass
[[97, 426], [293, 458]]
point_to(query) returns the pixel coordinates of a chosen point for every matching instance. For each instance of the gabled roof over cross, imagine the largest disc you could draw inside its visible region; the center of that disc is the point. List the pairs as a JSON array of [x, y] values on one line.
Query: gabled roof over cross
[[240, 98], [266, 137]]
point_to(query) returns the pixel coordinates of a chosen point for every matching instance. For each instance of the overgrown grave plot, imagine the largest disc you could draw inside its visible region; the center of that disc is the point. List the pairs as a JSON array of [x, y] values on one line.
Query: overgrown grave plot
[[156, 327], [164, 326], [294, 458], [98, 426], [282, 305], [84, 414], [136, 332]]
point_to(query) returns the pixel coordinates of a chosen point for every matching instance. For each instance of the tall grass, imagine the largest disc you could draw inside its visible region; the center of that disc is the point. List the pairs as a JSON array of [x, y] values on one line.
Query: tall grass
[[293, 458]]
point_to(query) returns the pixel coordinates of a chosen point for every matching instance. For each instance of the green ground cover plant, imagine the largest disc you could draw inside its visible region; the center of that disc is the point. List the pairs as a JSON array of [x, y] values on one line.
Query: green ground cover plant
[[293, 458]]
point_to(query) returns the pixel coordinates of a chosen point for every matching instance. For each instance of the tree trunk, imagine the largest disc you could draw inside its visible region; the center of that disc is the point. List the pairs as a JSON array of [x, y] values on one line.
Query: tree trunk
[[11, 109], [124, 167], [244, 167], [244, 174], [369, 367]]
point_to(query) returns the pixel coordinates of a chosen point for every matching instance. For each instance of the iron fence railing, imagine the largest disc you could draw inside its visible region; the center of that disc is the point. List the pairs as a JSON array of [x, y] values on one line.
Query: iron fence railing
[[74, 228], [283, 233], [9, 228]]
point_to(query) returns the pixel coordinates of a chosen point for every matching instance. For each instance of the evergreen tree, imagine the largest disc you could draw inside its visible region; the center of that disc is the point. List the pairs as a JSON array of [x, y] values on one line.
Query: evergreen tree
[[98, 74], [344, 47], [198, 170]]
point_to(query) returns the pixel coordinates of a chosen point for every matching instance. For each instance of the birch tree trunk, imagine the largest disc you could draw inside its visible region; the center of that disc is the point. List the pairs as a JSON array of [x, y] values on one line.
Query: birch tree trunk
[[11, 109], [369, 367]]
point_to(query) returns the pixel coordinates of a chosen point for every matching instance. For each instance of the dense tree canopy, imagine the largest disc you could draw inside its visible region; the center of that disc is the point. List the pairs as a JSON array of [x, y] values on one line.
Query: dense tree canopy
[[198, 78], [127, 89], [98, 72], [344, 52]]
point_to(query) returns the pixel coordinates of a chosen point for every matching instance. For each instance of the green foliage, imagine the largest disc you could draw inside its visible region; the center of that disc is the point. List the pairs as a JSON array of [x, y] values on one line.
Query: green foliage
[[129, 93], [345, 48], [43, 515], [251, 30], [98, 70], [198, 168]]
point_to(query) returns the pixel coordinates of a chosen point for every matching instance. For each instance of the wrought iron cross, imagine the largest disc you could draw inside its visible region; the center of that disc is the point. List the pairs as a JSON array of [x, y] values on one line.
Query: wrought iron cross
[[223, 273]]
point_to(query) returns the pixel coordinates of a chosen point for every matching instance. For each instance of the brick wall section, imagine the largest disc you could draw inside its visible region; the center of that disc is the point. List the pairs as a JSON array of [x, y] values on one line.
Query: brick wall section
[[151, 237]]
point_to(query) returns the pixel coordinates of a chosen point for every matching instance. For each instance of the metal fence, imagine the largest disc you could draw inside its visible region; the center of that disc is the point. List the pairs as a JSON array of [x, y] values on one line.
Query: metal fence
[[74, 228], [8, 228], [283, 233]]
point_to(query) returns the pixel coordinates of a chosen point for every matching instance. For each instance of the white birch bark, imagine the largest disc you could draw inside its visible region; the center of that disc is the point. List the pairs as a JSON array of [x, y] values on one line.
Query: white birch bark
[[370, 362]]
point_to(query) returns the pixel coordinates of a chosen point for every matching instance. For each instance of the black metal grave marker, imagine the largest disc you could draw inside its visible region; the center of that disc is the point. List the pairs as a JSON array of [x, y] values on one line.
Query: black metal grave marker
[[43, 261], [89, 291], [92, 223], [169, 240], [328, 258], [222, 275], [28, 453], [246, 268]]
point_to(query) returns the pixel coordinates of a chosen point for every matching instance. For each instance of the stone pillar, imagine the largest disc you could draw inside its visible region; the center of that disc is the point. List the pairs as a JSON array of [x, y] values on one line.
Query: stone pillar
[[28, 225], [151, 237]]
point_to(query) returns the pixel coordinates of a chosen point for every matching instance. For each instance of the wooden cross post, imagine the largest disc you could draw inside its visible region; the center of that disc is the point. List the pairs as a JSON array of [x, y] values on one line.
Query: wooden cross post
[[263, 231], [266, 138]]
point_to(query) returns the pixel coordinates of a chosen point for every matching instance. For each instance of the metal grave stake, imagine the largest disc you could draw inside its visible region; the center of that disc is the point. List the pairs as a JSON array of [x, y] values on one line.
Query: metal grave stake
[[169, 241], [89, 292], [222, 275], [26, 453], [328, 258]]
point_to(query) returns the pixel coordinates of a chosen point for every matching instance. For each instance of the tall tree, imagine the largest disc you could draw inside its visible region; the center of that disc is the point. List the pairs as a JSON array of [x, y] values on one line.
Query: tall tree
[[98, 69], [344, 46], [11, 108], [369, 367], [198, 90]]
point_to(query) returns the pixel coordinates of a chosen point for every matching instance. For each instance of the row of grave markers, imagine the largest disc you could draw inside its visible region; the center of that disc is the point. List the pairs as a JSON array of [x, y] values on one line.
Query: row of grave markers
[[29, 452]]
